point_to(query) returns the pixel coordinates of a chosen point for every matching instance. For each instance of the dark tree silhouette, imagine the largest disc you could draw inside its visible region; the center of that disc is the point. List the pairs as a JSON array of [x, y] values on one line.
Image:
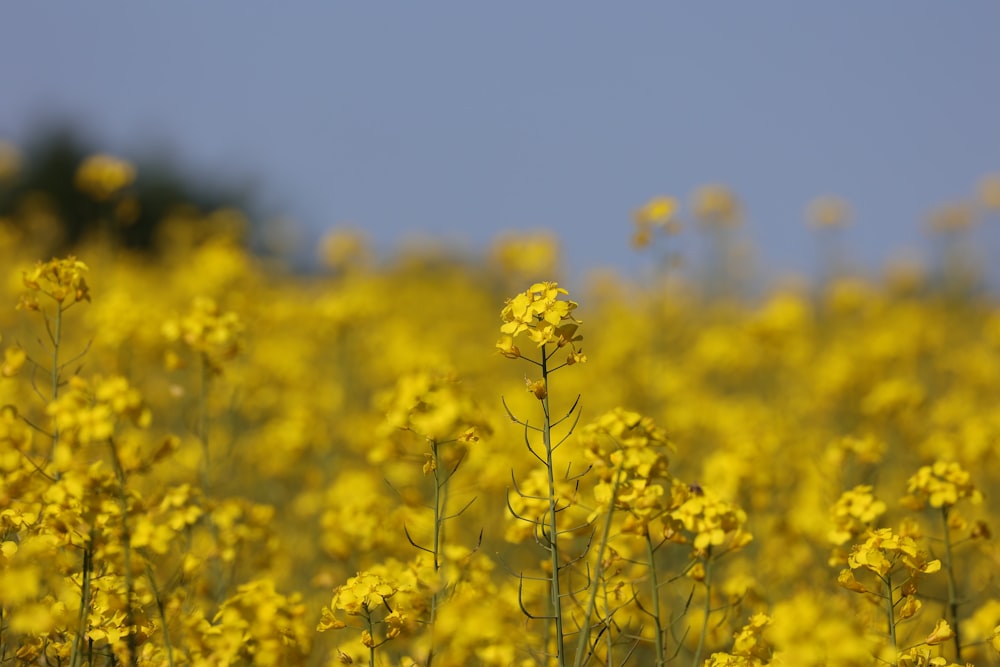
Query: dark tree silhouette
[[50, 160]]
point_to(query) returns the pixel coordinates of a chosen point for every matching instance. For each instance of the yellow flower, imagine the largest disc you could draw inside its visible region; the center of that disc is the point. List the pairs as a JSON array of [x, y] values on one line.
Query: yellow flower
[[343, 248], [883, 549], [942, 632], [716, 205], [13, 361], [209, 331], [537, 388], [941, 484], [526, 254], [853, 513], [59, 279], [951, 218], [911, 605], [362, 593], [507, 348], [102, 176], [540, 313], [846, 580], [989, 192], [712, 521], [827, 212]]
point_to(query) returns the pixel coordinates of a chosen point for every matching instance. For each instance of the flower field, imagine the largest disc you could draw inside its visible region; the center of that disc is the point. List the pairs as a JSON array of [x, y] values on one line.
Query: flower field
[[208, 459]]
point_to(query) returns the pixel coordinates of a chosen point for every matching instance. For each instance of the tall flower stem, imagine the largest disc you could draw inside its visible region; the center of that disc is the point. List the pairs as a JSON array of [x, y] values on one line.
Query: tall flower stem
[[55, 335], [126, 554], [205, 381], [655, 592], [76, 657], [553, 537], [439, 506], [952, 589], [205, 470], [708, 607], [162, 612], [890, 612], [584, 634], [371, 636]]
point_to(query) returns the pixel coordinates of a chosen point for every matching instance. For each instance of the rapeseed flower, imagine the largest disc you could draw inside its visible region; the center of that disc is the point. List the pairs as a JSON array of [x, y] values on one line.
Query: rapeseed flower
[[103, 176], [941, 484], [541, 314]]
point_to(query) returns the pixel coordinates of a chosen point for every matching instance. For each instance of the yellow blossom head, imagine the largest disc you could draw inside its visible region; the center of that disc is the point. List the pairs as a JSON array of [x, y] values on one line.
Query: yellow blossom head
[[526, 254], [209, 331], [716, 206], [941, 485], [103, 176], [658, 213], [828, 212], [544, 316], [61, 280]]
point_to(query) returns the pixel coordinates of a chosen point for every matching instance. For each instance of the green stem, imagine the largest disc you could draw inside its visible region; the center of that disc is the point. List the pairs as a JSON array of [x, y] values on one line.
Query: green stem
[[76, 657], [56, 341], [952, 589], [163, 614], [438, 514], [371, 635], [203, 421], [584, 634], [206, 371], [708, 606], [655, 586], [890, 612], [556, 594], [126, 554]]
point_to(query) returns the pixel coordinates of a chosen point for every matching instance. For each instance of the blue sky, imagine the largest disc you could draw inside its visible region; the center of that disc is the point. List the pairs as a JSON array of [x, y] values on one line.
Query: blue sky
[[461, 120]]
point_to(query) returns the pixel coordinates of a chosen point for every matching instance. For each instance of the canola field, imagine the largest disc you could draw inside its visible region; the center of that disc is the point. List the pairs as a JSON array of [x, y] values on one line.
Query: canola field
[[207, 459]]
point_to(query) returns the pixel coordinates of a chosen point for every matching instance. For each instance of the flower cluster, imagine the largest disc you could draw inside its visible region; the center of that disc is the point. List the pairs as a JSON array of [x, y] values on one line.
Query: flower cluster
[[58, 279], [854, 512], [90, 411], [942, 484], [544, 317], [433, 406], [887, 554], [627, 453], [366, 595], [657, 213], [750, 648], [207, 330], [103, 176], [710, 521]]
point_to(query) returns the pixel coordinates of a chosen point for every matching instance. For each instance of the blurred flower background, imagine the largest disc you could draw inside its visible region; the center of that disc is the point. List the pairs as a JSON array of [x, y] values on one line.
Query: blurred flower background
[[458, 335]]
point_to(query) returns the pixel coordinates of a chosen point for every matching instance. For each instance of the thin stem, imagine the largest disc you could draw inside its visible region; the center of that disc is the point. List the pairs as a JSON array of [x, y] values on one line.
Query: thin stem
[[371, 637], [556, 594], [708, 607], [203, 420], [584, 634], [76, 657], [126, 554], [56, 337], [438, 520], [655, 590], [952, 589], [609, 645], [891, 616], [205, 385], [163, 615]]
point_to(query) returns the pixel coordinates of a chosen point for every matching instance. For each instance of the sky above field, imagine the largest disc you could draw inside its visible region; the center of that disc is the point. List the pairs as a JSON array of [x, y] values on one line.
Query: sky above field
[[461, 120]]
